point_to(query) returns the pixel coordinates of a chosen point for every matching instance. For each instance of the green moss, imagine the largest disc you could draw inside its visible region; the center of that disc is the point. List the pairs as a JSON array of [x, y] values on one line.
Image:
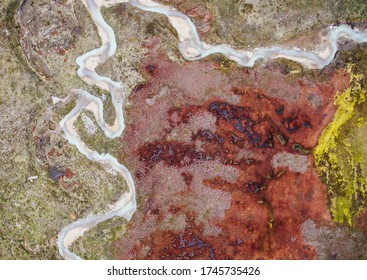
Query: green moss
[[98, 141], [269, 22], [289, 67], [225, 65], [96, 242]]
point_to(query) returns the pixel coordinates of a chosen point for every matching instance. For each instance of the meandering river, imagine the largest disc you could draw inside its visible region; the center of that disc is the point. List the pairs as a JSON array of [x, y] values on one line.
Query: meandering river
[[191, 48]]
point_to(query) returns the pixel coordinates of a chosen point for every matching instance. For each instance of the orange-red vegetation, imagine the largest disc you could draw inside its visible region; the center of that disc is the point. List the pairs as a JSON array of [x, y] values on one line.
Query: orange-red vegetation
[[202, 145]]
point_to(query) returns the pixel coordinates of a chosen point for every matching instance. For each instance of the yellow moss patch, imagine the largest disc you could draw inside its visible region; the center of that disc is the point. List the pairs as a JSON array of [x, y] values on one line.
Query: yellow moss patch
[[339, 155]]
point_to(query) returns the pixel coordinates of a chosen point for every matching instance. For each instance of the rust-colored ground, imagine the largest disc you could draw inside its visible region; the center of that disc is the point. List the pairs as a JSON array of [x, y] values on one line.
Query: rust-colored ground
[[221, 160]]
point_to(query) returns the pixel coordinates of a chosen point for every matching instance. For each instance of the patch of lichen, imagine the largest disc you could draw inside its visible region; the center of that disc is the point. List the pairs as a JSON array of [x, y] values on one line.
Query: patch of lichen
[[12, 26], [341, 155]]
